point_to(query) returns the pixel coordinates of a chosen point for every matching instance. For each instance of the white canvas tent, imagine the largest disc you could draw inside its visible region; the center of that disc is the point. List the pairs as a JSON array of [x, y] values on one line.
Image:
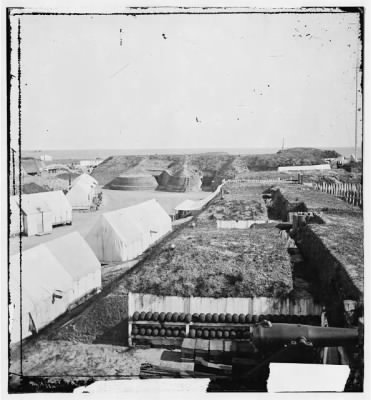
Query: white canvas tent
[[15, 217], [55, 202], [81, 195], [189, 206], [46, 291], [124, 234], [37, 216], [59, 205], [77, 258], [55, 275], [85, 178]]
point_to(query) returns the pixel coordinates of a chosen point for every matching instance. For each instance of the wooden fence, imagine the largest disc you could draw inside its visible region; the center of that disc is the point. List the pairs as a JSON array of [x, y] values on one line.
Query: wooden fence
[[352, 193], [198, 205], [254, 305], [263, 181], [260, 181]]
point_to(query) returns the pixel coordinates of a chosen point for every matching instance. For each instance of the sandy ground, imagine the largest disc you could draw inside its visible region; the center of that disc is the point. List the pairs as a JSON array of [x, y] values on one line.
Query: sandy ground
[[112, 200], [63, 358]]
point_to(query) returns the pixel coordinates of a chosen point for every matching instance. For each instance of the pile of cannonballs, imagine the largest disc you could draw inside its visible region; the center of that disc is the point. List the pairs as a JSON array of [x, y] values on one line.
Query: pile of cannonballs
[[198, 331]]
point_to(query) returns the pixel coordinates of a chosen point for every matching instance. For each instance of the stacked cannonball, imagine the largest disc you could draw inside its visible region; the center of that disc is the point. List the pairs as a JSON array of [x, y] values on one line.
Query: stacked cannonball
[[198, 328]]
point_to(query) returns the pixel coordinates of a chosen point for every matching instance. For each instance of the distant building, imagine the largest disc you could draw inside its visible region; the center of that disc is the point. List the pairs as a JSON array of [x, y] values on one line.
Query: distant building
[[32, 166], [304, 167], [46, 157], [56, 168], [90, 163]]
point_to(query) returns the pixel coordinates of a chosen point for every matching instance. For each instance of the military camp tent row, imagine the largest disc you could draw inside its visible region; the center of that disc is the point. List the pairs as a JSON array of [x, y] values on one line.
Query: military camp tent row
[[37, 213], [55, 276], [60, 272], [82, 192], [124, 234]]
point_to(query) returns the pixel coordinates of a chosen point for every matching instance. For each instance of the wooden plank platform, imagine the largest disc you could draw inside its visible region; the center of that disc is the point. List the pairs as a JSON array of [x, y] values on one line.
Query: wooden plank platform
[[216, 350], [158, 341], [188, 349], [202, 348]]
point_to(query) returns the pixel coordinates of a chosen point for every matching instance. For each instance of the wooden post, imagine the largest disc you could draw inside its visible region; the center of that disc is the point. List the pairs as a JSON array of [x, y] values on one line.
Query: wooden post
[[130, 341]]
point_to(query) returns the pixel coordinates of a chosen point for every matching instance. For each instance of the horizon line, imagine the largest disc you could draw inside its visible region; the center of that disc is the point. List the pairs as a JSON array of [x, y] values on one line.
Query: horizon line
[[189, 148]]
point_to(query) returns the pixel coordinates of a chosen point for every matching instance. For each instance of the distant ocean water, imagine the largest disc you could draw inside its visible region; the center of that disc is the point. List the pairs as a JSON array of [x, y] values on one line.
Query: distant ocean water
[[104, 153]]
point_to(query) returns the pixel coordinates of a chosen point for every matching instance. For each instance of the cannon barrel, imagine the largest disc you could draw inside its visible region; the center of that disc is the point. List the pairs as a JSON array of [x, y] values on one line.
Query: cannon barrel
[[279, 334]]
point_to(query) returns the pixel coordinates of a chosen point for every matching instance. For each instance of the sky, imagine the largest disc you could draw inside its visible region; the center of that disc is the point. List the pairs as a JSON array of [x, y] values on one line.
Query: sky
[[189, 81]]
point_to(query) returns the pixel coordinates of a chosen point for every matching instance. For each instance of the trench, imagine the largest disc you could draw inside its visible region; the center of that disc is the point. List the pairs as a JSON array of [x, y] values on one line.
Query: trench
[[323, 274]]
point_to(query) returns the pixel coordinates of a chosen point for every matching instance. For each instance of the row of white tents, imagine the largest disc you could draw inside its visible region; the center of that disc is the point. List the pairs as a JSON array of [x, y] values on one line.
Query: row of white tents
[[36, 213], [54, 276]]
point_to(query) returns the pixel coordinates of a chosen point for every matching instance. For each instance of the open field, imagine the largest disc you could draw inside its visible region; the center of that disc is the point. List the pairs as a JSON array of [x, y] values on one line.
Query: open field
[[112, 200]]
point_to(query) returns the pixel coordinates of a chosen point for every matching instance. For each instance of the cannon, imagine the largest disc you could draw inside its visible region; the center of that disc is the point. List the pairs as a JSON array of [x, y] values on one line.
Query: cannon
[[277, 343], [267, 334]]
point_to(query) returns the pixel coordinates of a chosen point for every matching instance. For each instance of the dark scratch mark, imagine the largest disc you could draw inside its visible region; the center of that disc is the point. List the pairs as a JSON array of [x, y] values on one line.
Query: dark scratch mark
[[121, 69], [164, 36], [20, 187]]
